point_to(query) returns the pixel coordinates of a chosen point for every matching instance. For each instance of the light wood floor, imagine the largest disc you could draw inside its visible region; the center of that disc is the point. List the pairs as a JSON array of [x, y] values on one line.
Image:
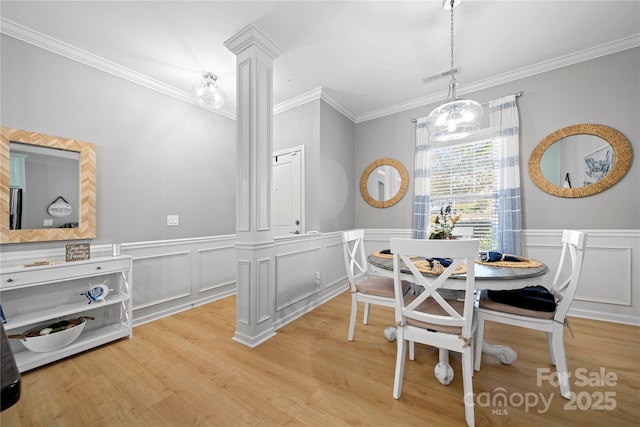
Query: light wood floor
[[185, 370]]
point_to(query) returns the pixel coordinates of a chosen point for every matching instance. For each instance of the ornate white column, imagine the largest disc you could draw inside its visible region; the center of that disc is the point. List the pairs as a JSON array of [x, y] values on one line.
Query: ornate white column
[[254, 148]]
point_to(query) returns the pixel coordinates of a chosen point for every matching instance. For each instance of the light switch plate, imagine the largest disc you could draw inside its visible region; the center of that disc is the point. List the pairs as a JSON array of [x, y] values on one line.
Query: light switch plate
[[173, 220], [47, 223]]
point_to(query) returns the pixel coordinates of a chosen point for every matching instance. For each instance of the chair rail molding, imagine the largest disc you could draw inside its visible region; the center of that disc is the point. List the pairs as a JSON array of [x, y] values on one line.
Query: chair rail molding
[[612, 257], [176, 275], [200, 270]]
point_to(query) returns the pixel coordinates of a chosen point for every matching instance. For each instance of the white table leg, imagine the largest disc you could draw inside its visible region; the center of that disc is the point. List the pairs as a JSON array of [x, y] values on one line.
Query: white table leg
[[444, 371], [504, 353], [390, 333]]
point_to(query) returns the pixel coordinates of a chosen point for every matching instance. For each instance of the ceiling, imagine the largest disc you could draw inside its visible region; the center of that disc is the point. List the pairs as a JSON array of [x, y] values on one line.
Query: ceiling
[[372, 57]]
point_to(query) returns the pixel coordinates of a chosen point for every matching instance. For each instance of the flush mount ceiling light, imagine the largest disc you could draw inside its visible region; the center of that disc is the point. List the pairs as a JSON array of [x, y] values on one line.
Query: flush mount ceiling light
[[456, 118], [207, 92]]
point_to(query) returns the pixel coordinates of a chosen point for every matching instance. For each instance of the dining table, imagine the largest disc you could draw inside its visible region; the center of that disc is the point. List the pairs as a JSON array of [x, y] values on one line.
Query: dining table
[[495, 276]]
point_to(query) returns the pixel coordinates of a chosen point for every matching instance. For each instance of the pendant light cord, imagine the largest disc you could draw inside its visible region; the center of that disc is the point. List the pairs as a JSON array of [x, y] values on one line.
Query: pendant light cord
[[452, 85], [452, 1]]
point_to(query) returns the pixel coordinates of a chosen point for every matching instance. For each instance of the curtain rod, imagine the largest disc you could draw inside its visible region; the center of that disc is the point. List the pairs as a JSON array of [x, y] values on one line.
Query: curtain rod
[[517, 94]]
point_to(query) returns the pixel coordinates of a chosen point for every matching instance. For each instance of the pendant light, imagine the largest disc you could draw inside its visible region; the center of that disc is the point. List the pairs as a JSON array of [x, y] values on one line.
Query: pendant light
[[456, 118], [207, 92]]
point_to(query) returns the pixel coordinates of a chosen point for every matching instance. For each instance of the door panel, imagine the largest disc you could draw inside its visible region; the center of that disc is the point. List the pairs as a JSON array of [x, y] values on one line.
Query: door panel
[[286, 194]]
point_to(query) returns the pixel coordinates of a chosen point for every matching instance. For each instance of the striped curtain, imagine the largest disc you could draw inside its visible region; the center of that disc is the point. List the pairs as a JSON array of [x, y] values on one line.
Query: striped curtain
[[505, 136], [421, 182]]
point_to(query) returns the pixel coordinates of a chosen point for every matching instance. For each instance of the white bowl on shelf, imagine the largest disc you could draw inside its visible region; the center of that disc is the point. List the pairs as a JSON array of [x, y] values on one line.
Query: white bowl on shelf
[[55, 340]]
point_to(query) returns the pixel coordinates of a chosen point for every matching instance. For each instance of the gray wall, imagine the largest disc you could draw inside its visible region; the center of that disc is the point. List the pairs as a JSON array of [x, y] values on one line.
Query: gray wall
[[394, 137], [328, 138], [603, 90], [336, 179], [155, 155], [301, 126], [160, 156]]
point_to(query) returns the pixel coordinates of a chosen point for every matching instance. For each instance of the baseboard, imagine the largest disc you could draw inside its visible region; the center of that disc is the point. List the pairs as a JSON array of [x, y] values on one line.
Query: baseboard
[[141, 320]]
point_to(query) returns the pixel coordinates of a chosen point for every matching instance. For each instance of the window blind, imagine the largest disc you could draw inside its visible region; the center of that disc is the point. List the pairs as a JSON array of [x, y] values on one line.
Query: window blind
[[462, 176]]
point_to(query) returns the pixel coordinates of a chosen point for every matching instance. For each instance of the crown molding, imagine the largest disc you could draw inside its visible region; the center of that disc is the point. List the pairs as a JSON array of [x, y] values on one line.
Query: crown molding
[[43, 41], [541, 67], [318, 93], [58, 47], [297, 101], [336, 104]]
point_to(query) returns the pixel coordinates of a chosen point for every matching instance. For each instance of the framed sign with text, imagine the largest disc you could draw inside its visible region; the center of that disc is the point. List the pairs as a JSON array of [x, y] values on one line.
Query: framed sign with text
[[78, 252]]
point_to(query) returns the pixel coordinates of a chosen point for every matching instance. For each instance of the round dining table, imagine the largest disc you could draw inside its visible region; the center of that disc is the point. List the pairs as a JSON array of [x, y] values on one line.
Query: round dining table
[[487, 276]]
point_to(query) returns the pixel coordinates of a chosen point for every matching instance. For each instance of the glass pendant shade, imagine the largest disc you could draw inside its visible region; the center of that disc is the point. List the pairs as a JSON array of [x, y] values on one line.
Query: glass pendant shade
[[207, 92], [455, 119]]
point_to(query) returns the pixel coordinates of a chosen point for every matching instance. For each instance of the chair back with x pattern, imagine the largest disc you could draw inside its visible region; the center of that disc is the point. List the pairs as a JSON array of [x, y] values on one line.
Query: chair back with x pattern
[[440, 314], [355, 257]]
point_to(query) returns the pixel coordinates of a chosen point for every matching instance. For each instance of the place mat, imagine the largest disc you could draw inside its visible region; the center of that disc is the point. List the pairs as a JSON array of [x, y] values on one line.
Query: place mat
[[424, 266], [389, 256], [523, 263]]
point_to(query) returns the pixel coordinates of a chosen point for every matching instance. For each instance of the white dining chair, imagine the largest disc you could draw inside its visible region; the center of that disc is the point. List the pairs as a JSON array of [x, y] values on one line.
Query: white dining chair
[[427, 317], [365, 287], [550, 322]]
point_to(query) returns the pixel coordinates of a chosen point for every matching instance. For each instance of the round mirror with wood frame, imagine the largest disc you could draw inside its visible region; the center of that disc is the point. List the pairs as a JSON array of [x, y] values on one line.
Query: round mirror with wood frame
[[381, 202], [621, 160]]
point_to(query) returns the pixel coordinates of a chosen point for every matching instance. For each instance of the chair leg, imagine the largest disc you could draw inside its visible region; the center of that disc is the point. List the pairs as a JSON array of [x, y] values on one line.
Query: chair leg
[[550, 347], [561, 361], [412, 350], [366, 313], [478, 343], [400, 357], [354, 312], [467, 385], [473, 355]]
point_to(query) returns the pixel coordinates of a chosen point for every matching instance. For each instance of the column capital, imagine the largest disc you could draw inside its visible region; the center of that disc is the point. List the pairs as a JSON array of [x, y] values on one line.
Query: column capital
[[251, 36]]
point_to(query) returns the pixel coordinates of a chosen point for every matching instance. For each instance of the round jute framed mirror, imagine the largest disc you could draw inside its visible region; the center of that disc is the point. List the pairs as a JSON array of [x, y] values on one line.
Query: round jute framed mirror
[[384, 182], [580, 160]]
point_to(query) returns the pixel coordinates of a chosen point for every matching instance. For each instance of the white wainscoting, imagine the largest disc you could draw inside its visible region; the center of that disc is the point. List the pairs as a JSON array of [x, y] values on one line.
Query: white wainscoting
[[378, 239], [175, 275], [609, 288], [309, 271], [170, 276]]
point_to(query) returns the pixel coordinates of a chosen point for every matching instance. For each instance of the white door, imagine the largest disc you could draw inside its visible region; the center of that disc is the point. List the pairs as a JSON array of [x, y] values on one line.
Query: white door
[[287, 194]]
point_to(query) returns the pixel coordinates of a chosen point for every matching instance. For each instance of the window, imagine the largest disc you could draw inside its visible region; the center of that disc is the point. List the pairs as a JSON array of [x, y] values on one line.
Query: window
[[462, 175]]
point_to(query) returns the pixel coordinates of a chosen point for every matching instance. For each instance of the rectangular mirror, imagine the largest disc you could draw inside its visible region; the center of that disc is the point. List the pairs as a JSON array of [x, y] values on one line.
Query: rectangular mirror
[[46, 179]]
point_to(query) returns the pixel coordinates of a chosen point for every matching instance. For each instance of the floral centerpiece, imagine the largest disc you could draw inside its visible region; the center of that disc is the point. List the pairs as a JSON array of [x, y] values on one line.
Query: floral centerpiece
[[444, 223]]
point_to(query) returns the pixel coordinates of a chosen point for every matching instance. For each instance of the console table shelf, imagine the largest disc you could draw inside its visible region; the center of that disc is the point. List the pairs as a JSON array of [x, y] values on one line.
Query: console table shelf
[[61, 311], [33, 297], [26, 359]]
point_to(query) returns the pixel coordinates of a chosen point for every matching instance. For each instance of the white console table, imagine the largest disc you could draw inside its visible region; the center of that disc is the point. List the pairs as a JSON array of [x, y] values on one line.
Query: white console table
[[40, 295]]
